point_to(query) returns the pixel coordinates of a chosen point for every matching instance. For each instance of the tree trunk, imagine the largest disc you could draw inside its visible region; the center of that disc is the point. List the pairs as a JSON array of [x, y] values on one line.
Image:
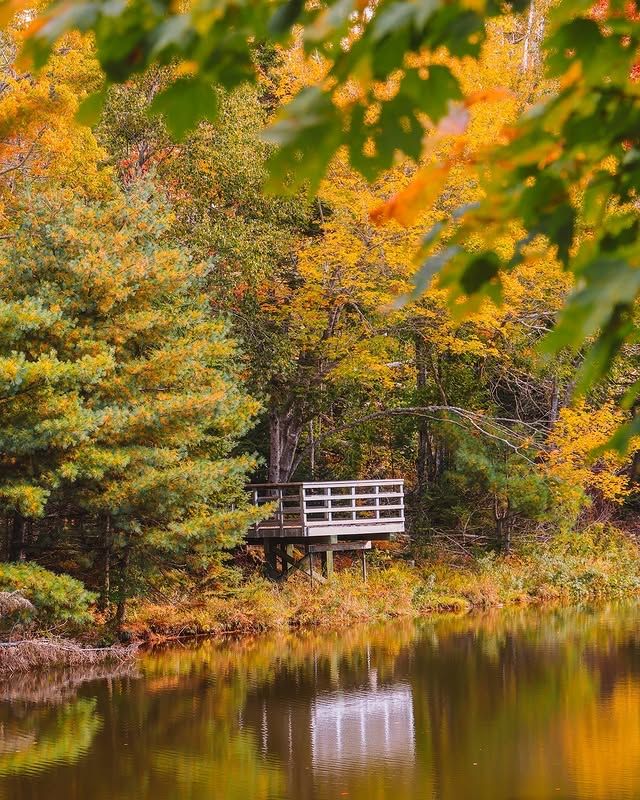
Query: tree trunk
[[554, 410], [502, 520], [106, 567], [123, 590], [533, 37], [284, 434], [422, 460], [312, 450], [17, 538]]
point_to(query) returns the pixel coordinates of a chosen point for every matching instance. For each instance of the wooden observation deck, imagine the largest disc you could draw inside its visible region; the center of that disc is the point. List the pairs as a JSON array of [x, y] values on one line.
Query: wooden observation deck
[[324, 517]]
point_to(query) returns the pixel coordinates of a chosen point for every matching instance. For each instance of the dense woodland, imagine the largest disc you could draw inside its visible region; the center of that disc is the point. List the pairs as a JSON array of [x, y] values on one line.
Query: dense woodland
[[171, 327]]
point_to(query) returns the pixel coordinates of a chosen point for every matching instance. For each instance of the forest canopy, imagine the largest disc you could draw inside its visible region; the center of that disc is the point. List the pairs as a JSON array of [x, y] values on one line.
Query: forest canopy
[[387, 76]]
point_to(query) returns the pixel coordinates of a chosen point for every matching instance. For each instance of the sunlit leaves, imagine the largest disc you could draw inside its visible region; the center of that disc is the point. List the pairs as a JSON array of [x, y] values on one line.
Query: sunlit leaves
[[579, 434], [552, 180], [217, 47]]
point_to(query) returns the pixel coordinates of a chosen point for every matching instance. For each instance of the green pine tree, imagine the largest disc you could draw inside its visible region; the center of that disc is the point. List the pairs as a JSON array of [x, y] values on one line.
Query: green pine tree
[[122, 399]]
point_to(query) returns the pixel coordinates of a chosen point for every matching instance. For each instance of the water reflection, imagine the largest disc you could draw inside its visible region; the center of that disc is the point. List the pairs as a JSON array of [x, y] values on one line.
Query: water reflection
[[362, 727], [512, 705], [45, 737]]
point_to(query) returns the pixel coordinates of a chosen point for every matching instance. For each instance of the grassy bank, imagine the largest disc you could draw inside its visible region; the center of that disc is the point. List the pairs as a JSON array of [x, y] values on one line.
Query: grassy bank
[[600, 563]]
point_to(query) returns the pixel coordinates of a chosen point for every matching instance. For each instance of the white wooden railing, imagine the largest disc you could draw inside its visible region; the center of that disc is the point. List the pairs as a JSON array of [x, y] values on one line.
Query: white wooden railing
[[330, 508]]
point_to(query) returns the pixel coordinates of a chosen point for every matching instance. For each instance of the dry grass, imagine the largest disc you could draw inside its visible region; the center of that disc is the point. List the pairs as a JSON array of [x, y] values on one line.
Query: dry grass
[[27, 654], [14, 603], [600, 563], [260, 605]]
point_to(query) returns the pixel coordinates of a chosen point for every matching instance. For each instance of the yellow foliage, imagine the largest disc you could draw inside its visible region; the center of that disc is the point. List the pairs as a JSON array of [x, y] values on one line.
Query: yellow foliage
[[578, 432], [40, 139]]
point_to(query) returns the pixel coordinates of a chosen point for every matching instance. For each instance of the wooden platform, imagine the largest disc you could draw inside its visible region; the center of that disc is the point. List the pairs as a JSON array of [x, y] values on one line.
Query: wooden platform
[[323, 517], [372, 509]]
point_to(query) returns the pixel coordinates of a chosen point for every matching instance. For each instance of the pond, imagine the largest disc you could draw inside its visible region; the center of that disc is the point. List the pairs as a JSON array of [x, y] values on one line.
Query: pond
[[515, 704]]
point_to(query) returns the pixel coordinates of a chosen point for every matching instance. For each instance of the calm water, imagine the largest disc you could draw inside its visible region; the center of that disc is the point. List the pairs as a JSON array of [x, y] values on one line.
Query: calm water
[[511, 705]]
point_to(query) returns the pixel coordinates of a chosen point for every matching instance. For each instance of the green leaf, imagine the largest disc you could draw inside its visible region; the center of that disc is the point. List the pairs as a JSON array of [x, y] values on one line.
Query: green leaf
[[479, 271], [358, 134], [432, 94], [578, 39], [630, 396], [621, 438], [82, 16], [600, 355], [422, 279], [460, 31], [329, 21], [285, 16], [545, 209], [90, 109], [308, 130], [174, 32], [398, 129], [610, 283], [568, 9], [393, 17], [595, 197], [184, 104], [424, 10]]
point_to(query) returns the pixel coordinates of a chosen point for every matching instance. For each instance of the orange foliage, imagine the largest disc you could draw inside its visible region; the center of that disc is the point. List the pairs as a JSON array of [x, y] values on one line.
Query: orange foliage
[[419, 195]]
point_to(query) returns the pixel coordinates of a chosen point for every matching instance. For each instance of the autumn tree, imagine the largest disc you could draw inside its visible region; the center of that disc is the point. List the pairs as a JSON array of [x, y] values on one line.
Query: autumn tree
[[121, 402]]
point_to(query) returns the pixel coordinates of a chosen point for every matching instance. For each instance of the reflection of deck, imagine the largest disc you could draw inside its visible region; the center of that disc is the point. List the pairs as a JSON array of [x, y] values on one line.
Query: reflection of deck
[[332, 716], [363, 726], [345, 509]]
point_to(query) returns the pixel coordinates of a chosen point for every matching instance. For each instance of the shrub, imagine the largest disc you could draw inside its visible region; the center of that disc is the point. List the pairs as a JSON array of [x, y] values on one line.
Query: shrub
[[57, 598]]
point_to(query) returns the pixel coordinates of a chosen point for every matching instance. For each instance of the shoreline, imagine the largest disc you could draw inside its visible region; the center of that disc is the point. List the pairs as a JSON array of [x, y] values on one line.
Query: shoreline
[[591, 566], [40, 654]]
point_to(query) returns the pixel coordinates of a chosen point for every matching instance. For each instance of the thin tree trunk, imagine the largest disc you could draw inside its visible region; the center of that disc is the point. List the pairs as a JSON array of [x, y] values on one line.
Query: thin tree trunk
[[284, 435], [502, 524], [532, 48], [17, 537], [123, 590], [528, 39], [422, 460], [106, 566], [312, 450], [555, 403]]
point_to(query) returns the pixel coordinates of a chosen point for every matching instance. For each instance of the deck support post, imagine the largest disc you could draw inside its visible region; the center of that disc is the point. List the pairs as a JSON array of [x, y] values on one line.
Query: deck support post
[[326, 559], [271, 557], [364, 565]]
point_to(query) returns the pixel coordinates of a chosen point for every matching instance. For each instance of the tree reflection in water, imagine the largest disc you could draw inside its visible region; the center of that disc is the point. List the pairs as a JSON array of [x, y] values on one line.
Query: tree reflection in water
[[517, 704]]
